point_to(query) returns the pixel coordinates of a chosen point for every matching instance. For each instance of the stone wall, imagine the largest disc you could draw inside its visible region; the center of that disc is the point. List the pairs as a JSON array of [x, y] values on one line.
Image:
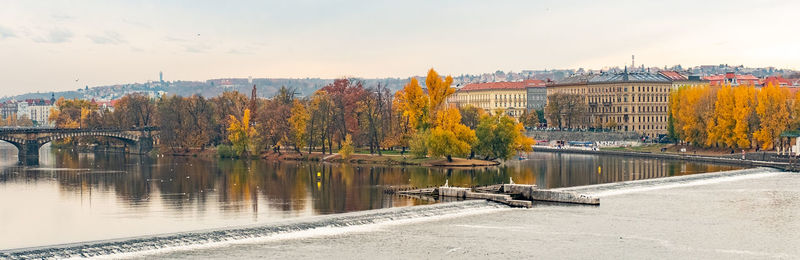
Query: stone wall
[[583, 136]]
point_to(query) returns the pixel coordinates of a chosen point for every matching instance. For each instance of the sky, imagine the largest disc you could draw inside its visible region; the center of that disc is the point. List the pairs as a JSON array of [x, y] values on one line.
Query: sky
[[64, 45]]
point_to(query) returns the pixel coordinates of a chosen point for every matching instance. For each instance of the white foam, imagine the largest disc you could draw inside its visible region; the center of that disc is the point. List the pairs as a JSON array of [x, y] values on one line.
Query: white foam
[[688, 183], [309, 233]]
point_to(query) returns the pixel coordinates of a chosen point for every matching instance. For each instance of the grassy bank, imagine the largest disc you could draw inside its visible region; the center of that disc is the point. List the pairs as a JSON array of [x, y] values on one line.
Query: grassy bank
[[360, 157]]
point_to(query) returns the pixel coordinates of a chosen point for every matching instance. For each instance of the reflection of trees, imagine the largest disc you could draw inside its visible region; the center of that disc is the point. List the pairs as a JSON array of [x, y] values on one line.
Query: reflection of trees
[[565, 170], [241, 185]]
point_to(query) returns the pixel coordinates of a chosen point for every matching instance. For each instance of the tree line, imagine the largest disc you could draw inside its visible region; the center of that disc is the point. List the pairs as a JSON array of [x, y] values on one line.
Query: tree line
[[338, 116], [733, 117]]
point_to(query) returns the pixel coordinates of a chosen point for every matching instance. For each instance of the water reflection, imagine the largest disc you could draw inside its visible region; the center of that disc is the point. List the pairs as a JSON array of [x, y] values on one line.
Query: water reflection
[[86, 196]]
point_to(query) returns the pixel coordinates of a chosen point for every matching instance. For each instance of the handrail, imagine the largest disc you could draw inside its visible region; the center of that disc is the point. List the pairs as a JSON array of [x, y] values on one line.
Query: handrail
[[26, 130]]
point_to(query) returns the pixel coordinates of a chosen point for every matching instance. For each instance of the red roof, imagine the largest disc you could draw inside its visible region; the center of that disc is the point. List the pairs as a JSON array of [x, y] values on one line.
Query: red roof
[[503, 85], [740, 79], [672, 75], [777, 81]]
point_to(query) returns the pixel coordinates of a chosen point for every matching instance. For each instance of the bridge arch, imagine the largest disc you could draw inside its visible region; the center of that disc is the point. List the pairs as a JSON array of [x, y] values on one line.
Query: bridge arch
[[127, 138], [29, 140]]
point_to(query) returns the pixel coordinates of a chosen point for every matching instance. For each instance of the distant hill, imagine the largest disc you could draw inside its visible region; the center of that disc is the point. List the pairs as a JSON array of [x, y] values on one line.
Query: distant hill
[[267, 87]]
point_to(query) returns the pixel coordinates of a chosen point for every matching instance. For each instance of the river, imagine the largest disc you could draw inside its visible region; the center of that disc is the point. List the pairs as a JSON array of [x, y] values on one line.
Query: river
[[77, 197]]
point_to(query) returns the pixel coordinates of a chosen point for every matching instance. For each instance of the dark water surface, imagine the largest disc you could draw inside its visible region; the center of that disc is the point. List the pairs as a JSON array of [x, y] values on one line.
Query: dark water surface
[[74, 197]]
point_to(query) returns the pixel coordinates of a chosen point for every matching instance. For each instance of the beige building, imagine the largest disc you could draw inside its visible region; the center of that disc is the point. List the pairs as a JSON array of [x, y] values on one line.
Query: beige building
[[510, 97], [635, 102]]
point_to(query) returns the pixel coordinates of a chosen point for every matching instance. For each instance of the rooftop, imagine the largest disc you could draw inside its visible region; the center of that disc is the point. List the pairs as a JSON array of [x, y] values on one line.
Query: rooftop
[[603, 78], [503, 85], [673, 75]]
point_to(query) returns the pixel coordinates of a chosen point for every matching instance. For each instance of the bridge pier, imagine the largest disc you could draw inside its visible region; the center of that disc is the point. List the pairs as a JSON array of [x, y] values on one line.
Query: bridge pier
[[29, 153], [143, 146]]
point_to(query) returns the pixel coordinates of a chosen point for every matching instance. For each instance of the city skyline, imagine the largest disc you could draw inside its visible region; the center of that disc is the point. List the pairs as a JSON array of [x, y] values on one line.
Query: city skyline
[[58, 46]]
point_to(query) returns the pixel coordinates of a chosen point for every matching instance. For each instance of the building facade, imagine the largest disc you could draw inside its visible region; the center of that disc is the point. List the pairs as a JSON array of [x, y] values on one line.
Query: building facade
[[537, 95], [636, 102], [493, 97], [38, 110]]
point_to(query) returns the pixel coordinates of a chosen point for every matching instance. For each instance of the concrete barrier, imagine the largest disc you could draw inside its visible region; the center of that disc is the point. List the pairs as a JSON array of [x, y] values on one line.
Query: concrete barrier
[[520, 203], [525, 193], [564, 196], [453, 192], [524, 190]]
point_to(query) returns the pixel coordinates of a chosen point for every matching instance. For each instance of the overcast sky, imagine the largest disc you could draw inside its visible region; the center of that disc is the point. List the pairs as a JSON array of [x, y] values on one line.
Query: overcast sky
[[62, 45]]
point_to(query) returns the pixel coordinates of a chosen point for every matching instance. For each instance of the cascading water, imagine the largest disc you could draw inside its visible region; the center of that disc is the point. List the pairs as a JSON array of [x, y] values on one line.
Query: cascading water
[[176, 241]]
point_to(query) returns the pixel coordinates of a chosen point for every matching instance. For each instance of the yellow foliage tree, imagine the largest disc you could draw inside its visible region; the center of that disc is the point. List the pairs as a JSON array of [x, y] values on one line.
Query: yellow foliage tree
[[744, 115], [241, 133], [444, 133], [298, 122], [438, 89], [773, 112], [347, 148], [413, 104], [449, 136], [720, 129]]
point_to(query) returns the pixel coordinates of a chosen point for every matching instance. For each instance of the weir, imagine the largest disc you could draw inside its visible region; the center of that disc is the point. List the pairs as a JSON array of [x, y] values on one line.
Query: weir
[[318, 225], [514, 195]]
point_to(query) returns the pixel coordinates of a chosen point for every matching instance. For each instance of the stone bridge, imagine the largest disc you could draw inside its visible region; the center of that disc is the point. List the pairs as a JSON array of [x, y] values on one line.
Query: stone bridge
[[29, 140]]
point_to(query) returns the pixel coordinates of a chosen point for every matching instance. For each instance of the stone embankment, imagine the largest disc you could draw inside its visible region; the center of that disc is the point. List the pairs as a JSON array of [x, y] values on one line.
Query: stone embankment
[[583, 136], [789, 166]]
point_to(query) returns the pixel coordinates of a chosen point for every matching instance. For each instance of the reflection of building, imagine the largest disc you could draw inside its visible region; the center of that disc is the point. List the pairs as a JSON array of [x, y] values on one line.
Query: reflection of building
[[621, 101], [510, 97]]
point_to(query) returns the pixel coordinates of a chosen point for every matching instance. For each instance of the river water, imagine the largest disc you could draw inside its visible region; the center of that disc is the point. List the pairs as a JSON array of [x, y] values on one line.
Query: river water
[[78, 197]]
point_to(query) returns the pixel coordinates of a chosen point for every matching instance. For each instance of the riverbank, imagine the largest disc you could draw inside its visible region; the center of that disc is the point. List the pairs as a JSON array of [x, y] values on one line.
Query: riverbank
[[356, 158], [749, 161]]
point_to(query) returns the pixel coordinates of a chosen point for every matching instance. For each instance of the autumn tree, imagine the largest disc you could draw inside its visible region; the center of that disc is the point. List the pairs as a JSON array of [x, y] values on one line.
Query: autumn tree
[[745, 115], [471, 115], [693, 110], [70, 113], [298, 122], [185, 122], [529, 118], [345, 95], [773, 111], [449, 136], [135, 110], [273, 120], [374, 104], [241, 133], [500, 137], [321, 121], [565, 110], [720, 130], [347, 148], [413, 104], [446, 135], [228, 103], [438, 89]]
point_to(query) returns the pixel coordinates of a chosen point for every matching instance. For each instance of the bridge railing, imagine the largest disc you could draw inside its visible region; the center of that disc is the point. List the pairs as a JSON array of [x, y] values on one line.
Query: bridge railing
[[34, 130]]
